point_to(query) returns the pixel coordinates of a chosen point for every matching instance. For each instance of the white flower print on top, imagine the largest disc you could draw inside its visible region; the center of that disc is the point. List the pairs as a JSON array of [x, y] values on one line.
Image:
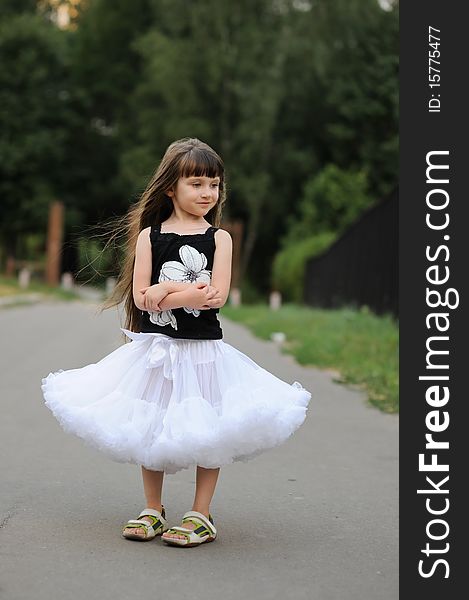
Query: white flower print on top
[[164, 317], [190, 270]]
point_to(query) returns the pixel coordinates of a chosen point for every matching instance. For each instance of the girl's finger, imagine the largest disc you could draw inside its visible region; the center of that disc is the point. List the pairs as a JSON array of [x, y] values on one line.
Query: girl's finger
[[213, 292]]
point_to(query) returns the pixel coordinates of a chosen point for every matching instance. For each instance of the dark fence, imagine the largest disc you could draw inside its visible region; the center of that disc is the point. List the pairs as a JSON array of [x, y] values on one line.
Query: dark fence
[[361, 267]]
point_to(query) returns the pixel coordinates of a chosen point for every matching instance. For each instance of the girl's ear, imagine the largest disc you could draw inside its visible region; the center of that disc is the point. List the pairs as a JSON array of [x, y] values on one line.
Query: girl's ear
[[170, 191]]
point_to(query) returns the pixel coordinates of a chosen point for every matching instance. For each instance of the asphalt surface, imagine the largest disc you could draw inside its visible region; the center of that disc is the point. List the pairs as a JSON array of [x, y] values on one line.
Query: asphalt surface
[[313, 519]]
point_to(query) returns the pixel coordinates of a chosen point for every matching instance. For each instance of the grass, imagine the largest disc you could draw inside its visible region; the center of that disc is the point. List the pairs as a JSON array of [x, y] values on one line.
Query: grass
[[9, 287], [361, 347]]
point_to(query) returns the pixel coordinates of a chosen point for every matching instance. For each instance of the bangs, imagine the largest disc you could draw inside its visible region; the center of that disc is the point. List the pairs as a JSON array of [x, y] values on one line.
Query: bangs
[[199, 162]]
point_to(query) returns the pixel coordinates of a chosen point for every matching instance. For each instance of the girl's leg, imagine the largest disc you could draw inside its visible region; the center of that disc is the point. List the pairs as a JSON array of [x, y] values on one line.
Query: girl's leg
[[206, 480], [152, 485]]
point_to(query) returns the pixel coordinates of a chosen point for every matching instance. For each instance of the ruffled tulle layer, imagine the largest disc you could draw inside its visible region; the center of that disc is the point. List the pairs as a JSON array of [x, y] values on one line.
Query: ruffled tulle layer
[[168, 403]]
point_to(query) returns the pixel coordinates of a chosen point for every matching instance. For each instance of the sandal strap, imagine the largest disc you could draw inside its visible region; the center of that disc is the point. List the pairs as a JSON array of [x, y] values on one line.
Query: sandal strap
[[192, 536], [140, 523], [152, 512], [177, 529], [193, 514], [155, 516]]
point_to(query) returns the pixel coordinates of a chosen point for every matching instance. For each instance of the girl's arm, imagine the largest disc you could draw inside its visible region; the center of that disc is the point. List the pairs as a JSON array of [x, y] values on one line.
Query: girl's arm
[[220, 280], [155, 294], [142, 267], [221, 272], [142, 272], [196, 295], [181, 293]]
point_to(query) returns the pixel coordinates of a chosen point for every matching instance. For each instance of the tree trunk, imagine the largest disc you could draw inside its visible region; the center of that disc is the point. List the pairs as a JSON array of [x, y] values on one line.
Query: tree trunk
[[54, 242], [10, 264]]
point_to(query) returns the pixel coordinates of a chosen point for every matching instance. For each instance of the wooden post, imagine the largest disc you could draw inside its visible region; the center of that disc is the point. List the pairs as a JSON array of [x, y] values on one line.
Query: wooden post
[[54, 242], [10, 266]]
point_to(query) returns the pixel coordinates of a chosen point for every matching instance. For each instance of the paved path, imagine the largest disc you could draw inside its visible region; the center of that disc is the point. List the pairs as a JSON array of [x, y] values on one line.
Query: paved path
[[314, 519]]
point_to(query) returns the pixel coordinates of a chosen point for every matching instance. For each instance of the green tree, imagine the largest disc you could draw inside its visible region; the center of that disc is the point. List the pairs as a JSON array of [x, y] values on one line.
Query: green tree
[[215, 70], [104, 72], [331, 201], [280, 88], [358, 73], [32, 123], [289, 264], [9, 8]]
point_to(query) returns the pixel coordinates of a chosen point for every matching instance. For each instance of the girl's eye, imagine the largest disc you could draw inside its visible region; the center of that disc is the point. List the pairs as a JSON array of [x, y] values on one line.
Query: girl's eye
[[215, 184], [196, 184]]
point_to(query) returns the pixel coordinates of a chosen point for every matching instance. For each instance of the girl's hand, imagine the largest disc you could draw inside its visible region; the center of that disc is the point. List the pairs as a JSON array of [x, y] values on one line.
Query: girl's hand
[[213, 303], [211, 292], [200, 295], [153, 295], [213, 300]]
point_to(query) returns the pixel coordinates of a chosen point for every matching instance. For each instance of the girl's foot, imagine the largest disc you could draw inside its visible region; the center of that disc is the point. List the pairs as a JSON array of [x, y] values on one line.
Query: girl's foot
[[196, 529], [140, 531], [187, 525]]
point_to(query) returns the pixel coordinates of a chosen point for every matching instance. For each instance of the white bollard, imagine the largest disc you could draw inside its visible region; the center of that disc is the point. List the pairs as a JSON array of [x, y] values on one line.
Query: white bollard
[[110, 285], [24, 277], [235, 297], [66, 281], [278, 337], [275, 300]]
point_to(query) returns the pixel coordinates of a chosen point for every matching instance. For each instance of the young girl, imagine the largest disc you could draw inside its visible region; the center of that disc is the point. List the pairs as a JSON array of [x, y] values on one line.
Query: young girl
[[177, 395]]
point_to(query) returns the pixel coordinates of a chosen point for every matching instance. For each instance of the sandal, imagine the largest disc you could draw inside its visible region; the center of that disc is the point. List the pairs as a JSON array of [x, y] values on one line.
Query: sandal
[[204, 532], [157, 527]]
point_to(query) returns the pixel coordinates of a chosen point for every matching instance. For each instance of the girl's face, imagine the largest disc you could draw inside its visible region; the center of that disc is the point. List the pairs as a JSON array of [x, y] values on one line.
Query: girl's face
[[196, 195]]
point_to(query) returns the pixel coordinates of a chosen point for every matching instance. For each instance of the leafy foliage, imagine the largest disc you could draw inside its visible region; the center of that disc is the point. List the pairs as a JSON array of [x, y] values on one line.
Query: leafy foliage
[[32, 121], [299, 98], [332, 200], [289, 264]]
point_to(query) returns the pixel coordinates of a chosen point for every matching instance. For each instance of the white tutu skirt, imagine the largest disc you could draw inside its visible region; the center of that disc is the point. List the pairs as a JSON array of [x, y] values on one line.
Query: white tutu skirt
[[168, 403]]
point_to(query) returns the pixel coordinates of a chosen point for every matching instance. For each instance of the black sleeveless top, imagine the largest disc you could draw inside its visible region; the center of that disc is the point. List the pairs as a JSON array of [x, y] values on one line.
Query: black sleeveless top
[[186, 258]]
